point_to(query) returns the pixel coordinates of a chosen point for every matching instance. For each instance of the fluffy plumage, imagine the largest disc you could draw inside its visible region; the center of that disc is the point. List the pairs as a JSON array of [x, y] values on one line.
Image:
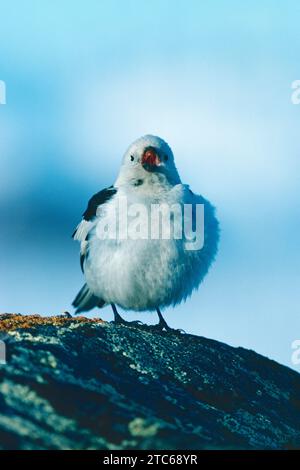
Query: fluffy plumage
[[142, 274]]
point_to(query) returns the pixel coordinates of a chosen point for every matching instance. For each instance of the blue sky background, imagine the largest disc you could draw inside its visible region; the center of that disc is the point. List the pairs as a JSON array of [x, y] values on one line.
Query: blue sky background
[[84, 79]]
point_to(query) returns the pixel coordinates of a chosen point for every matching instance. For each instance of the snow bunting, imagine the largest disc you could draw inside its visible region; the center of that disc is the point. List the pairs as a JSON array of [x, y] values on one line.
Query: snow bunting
[[144, 271]]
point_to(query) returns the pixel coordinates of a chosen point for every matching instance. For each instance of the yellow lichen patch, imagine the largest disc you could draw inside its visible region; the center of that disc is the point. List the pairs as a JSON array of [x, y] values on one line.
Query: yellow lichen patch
[[11, 321]]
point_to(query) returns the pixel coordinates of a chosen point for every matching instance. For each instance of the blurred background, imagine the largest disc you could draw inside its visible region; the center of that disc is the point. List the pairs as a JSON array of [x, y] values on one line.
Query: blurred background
[[85, 78]]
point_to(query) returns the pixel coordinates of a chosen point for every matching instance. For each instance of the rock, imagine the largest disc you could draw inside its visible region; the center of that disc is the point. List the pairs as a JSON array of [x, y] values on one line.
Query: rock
[[74, 383]]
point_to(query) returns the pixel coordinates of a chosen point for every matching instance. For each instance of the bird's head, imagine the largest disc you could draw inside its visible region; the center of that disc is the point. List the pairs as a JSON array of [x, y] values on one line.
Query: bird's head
[[149, 159]]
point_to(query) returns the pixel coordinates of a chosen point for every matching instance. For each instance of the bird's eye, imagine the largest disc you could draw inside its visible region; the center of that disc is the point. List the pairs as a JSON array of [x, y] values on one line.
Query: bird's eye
[[132, 158], [166, 158]]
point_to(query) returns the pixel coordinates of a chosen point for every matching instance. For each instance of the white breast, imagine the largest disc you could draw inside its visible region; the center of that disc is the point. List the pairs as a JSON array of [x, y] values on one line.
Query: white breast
[[144, 274]]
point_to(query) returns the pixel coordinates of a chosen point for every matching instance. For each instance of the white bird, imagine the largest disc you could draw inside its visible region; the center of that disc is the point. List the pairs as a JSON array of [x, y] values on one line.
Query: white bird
[[143, 273]]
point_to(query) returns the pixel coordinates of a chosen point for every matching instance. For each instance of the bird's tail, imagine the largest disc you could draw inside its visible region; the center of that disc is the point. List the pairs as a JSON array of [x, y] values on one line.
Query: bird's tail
[[86, 300]]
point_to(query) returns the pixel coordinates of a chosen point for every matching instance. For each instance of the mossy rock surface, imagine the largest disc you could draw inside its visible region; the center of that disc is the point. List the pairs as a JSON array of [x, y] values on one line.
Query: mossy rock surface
[[76, 383]]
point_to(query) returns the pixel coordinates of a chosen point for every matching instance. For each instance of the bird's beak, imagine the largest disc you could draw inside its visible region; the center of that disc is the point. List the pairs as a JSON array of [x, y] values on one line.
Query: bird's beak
[[150, 159]]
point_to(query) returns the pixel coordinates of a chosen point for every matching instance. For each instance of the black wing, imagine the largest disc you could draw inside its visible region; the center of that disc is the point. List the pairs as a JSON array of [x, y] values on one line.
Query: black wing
[[96, 201], [99, 198], [85, 300], [82, 230]]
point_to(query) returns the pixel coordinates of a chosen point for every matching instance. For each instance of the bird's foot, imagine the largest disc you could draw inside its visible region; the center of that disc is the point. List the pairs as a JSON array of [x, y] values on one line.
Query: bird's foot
[[163, 326], [64, 315], [118, 320]]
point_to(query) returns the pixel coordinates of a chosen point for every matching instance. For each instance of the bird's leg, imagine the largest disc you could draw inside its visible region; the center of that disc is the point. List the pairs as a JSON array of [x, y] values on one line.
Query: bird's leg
[[118, 320], [117, 316], [163, 325]]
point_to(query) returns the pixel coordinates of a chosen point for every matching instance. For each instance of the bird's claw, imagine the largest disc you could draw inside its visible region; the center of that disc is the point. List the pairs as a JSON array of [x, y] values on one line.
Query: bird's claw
[[121, 321], [165, 328], [64, 315], [67, 314], [135, 322]]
